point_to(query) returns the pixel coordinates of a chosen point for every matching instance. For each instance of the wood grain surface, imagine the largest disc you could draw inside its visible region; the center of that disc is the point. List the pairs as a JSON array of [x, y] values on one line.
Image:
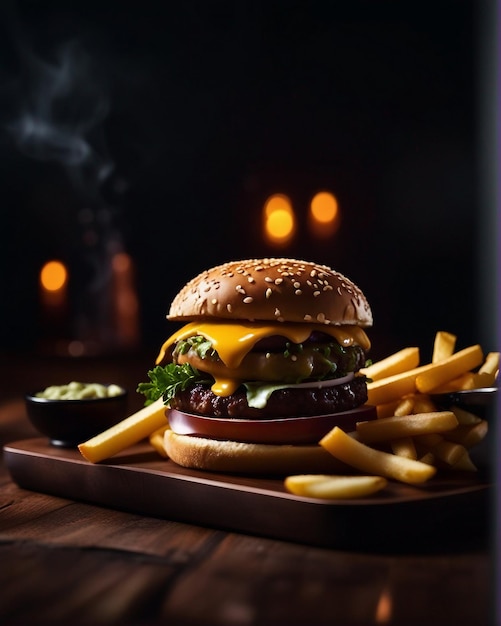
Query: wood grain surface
[[63, 560]]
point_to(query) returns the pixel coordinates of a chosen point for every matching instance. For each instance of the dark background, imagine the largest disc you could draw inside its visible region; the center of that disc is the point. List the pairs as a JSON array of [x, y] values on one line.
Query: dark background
[[176, 121]]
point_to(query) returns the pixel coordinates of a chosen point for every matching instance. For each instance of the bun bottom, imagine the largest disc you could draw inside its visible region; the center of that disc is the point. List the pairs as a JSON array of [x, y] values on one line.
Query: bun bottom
[[250, 458]]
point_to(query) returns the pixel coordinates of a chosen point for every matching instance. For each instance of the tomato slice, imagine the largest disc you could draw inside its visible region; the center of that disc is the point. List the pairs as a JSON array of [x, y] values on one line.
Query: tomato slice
[[287, 430]]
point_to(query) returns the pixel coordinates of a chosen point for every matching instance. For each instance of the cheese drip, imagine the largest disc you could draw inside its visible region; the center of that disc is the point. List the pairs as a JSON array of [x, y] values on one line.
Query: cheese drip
[[233, 341]]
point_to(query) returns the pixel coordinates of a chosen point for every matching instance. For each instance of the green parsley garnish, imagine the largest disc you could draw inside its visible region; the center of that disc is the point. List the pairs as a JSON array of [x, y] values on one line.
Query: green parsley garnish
[[166, 381]]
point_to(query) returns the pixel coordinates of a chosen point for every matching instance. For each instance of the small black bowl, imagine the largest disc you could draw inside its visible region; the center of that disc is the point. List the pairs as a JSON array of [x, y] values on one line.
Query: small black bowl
[[481, 402], [70, 422]]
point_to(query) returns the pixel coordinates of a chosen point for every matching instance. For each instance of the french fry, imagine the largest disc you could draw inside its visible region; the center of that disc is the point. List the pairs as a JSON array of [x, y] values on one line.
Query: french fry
[[465, 417], [405, 406], [461, 383], [334, 487], [490, 365], [156, 440], [401, 361], [388, 428], [428, 458], [444, 371], [488, 371], [393, 388], [484, 379], [126, 433], [448, 452], [428, 440], [465, 464], [469, 435], [404, 447], [423, 403], [387, 410], [376, 462], [443, 346]]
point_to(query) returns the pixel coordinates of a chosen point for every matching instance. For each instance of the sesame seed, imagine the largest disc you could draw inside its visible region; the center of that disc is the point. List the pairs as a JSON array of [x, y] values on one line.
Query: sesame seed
[[251, 279], [268, 279], [321, 317], [316, 293], [297, 285], [229, 308], [268, 293], [214, 301], [279, 281], [277, 312], [298, 292]]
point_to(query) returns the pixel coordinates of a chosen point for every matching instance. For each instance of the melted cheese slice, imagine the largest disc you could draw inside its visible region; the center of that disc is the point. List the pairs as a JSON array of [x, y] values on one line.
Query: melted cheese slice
[[233, 341]]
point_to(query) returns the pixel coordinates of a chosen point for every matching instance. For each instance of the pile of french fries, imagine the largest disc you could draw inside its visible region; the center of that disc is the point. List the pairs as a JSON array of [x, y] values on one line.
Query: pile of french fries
[[411, 439]]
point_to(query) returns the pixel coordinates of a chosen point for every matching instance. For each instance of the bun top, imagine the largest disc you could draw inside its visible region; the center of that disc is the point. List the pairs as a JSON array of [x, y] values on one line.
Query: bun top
[[278, 290]]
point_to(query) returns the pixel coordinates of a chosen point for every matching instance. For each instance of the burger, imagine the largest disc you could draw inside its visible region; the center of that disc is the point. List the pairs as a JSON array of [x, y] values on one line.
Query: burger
[[266, 362]]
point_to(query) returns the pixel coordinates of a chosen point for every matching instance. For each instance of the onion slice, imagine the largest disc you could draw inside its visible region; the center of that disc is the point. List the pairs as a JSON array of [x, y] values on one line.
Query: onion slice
[[329, 382]]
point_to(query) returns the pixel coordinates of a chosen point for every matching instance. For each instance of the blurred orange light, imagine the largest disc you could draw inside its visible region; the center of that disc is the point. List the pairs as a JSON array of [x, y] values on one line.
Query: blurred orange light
[[324, 207], [121, 262], [324, 214], [53, 276], [279, 219]]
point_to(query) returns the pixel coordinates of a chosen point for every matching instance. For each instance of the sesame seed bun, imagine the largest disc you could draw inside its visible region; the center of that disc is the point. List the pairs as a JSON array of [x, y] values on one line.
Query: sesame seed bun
[[278, 290]]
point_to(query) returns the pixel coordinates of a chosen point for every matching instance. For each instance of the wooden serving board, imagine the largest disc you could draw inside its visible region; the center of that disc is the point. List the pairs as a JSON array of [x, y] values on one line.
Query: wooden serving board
[[442, 514]]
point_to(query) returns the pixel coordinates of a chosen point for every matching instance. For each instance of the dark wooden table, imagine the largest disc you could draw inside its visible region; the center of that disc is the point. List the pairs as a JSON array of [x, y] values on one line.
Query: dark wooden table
[[65, 561]]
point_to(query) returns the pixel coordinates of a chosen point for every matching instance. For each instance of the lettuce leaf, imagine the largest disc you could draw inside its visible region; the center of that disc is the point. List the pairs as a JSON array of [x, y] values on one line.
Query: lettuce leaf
[[258, 394]]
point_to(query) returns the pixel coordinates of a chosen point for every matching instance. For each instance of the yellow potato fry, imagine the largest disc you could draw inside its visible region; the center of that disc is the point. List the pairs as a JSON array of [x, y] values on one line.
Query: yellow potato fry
[[375, 462], [156, 440], [404, 447], [400, 361], [465, 381], [387, 410], [461, 383], [405, 406], [443, 346], [448, 452], [126, 433], [484, 379], [334, 487], [490, 365], [465, 417], [465, 464], [423, 403], [392, 388], [388, 428], [469, 435], [428, 458], [429, 440], [445, 371]]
